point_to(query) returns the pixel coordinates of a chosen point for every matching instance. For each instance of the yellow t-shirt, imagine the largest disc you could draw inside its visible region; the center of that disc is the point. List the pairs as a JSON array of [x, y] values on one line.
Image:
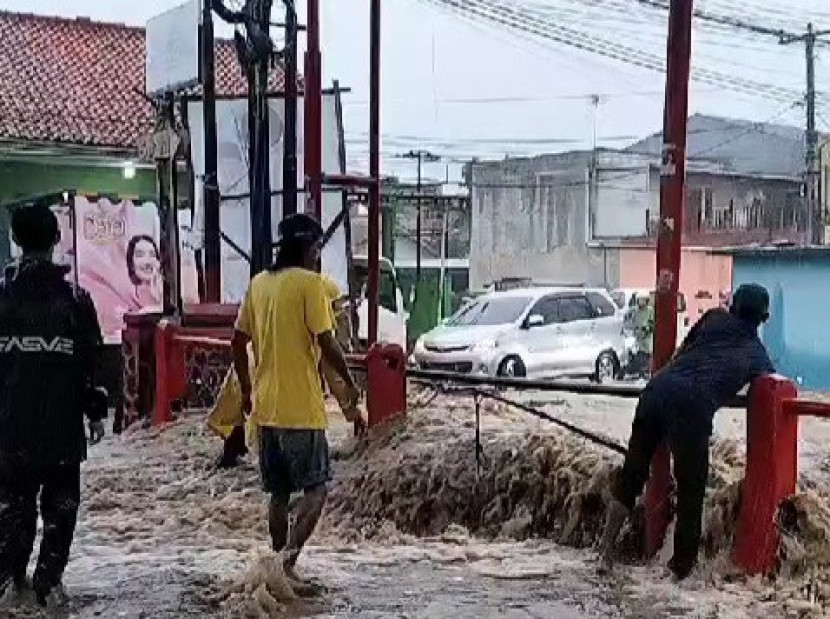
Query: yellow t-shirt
[[283, 313], [333, 293]]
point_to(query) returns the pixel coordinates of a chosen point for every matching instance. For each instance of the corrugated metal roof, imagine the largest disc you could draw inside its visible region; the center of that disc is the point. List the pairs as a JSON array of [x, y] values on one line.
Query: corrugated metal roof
[[739, 146]]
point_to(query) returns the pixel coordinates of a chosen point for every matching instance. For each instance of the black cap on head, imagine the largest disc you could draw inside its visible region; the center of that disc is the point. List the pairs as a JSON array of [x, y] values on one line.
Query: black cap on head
[[35, 228], [750, 302], [299, 228]]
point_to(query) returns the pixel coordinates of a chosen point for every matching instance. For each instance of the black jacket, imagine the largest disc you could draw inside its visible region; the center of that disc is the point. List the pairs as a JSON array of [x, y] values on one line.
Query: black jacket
[[719, 357], [49, 341]]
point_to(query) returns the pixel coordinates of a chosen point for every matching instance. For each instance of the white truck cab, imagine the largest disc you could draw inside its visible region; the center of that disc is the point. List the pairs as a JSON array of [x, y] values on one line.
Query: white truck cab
[[392, 317]]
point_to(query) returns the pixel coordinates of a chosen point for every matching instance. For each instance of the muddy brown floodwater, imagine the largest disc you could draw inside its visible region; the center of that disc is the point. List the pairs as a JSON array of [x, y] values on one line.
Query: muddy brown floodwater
[[416, 529]]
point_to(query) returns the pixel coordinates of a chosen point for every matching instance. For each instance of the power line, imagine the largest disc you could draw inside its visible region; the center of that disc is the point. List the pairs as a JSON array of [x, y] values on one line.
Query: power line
[[501, 140], [503, 15], [753, 128], [530, 98], [718, 25], [723, 20]]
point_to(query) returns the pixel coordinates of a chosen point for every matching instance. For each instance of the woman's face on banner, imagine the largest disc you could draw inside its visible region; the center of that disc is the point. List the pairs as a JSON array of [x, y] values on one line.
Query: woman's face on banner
[[145, 261]]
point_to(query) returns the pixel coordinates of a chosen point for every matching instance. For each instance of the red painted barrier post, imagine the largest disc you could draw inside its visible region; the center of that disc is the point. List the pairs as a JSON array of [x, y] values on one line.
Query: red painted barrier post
[[162, 407], [386, 383], [771, 472]]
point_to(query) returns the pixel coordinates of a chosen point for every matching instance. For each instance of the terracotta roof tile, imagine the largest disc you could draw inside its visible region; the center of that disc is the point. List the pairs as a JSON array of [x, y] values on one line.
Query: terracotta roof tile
[[76, 81]]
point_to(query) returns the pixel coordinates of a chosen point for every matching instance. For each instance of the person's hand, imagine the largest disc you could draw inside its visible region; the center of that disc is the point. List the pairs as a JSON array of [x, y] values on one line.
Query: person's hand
[[352, 396], [247, 404], [361, 426], [96, 432]]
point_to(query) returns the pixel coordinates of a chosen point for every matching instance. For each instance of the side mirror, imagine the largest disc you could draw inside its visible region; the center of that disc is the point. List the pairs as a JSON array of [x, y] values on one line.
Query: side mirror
[[534, 320]]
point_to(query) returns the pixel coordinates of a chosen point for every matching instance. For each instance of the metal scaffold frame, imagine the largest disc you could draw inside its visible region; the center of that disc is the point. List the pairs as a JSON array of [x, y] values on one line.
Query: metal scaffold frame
[[313, 131]]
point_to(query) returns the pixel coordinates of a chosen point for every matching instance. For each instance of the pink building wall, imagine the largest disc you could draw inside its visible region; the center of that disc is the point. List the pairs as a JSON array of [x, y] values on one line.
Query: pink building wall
[[703, 276]]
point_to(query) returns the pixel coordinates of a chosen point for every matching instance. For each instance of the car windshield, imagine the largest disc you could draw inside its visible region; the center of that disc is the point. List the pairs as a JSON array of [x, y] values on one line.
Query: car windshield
[[490, 311]]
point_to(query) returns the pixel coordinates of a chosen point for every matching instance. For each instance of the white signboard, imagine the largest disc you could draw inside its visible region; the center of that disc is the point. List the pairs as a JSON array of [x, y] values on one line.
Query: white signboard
[[172, 49], [232, 151]]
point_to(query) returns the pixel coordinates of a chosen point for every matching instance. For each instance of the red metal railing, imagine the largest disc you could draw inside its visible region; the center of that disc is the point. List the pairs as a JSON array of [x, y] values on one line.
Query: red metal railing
[[771, 468], [191, 364]]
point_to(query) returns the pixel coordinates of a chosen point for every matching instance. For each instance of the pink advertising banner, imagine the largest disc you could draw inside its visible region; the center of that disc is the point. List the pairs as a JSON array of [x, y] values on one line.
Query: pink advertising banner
[[117, 257]]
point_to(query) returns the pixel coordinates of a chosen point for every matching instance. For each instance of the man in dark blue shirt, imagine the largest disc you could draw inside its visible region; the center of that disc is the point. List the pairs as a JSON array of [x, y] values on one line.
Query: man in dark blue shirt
[[721, 355]]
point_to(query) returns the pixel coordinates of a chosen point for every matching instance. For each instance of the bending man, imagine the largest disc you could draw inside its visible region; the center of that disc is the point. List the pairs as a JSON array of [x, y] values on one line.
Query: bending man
[[721, 354]]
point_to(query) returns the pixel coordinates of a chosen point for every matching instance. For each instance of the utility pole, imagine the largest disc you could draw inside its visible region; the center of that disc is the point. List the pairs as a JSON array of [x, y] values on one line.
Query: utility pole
[[672, 195], [596, 101], [210, 195], [813, 211], [420, 156], [289, 163], [260, 51], [313, 130]]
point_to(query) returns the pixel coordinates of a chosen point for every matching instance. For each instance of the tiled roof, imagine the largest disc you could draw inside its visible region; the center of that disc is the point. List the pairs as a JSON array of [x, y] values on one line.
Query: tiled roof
[[80, 82]]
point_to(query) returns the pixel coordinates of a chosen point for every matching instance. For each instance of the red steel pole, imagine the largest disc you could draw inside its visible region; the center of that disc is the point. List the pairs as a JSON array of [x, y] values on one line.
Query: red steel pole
[[672, 196], [374, 171], [313, 125]]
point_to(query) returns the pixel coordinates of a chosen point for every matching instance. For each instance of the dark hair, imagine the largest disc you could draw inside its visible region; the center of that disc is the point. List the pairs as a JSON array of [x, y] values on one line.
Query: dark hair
[[35, 228], [290, 255], [750, 303], [134, 278], [298, 233]]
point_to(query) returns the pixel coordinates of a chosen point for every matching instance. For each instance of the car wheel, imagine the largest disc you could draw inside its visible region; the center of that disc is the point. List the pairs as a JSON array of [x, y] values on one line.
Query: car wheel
[[512, 367], [607, 368]]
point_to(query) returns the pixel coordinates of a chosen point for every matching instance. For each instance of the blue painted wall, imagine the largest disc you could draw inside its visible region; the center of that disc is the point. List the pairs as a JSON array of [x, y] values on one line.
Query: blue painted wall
[[798, 332]]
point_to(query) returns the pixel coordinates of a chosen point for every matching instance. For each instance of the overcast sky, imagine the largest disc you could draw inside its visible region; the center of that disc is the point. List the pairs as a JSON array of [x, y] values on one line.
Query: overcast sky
[[462, 86]]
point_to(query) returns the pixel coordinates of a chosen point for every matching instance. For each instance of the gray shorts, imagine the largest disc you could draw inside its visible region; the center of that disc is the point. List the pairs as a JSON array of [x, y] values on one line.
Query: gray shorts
[[293, 460]]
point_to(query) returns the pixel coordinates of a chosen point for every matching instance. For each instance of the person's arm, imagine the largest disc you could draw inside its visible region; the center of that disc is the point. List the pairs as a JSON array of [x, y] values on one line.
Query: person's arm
[[319, 322], [694, 332], [239, 349], [96, 399], [333, 355], [91, 338], [761, 363]]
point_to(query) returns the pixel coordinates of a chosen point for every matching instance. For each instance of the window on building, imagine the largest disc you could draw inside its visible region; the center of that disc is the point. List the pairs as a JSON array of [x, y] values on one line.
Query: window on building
[[825, 182]]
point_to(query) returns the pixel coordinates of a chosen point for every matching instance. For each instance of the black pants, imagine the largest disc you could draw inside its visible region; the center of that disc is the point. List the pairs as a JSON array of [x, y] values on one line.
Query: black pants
[[688, 435], [60, 492]]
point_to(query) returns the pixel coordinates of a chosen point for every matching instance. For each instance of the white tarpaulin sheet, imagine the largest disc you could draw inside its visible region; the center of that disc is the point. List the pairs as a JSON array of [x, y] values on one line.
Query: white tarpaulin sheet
[[232, 143]]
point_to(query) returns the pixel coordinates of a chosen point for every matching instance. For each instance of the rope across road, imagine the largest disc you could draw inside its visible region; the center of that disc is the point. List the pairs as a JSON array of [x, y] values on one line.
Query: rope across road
[[480, 394], [476, 385]]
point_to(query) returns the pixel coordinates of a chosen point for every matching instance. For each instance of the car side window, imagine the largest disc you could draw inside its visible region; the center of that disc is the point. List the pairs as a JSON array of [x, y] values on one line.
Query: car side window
[[572, 309], [603, 308], [548, 309]]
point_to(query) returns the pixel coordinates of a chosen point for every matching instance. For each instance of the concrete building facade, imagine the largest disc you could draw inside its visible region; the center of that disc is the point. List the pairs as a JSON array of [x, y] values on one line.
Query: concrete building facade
[[570, 218]]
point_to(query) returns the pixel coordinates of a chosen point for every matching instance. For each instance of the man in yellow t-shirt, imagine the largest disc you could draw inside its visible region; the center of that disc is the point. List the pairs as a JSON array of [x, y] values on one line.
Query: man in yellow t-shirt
[[286, 316]]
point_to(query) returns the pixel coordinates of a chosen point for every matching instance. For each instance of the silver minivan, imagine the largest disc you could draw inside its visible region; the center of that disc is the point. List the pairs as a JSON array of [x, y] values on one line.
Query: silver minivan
[[530, 332]]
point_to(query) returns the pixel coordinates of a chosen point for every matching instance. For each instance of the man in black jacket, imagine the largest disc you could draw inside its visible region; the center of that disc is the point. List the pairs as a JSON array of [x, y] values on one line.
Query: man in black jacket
[[49, 339], [720, 356]]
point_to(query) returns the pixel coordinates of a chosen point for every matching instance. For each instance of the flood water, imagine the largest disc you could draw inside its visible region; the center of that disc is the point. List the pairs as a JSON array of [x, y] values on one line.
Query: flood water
[[161, 535]]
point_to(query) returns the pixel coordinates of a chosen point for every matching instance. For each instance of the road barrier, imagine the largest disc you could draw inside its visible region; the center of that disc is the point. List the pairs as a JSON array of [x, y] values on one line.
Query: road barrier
[[773, 412]]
